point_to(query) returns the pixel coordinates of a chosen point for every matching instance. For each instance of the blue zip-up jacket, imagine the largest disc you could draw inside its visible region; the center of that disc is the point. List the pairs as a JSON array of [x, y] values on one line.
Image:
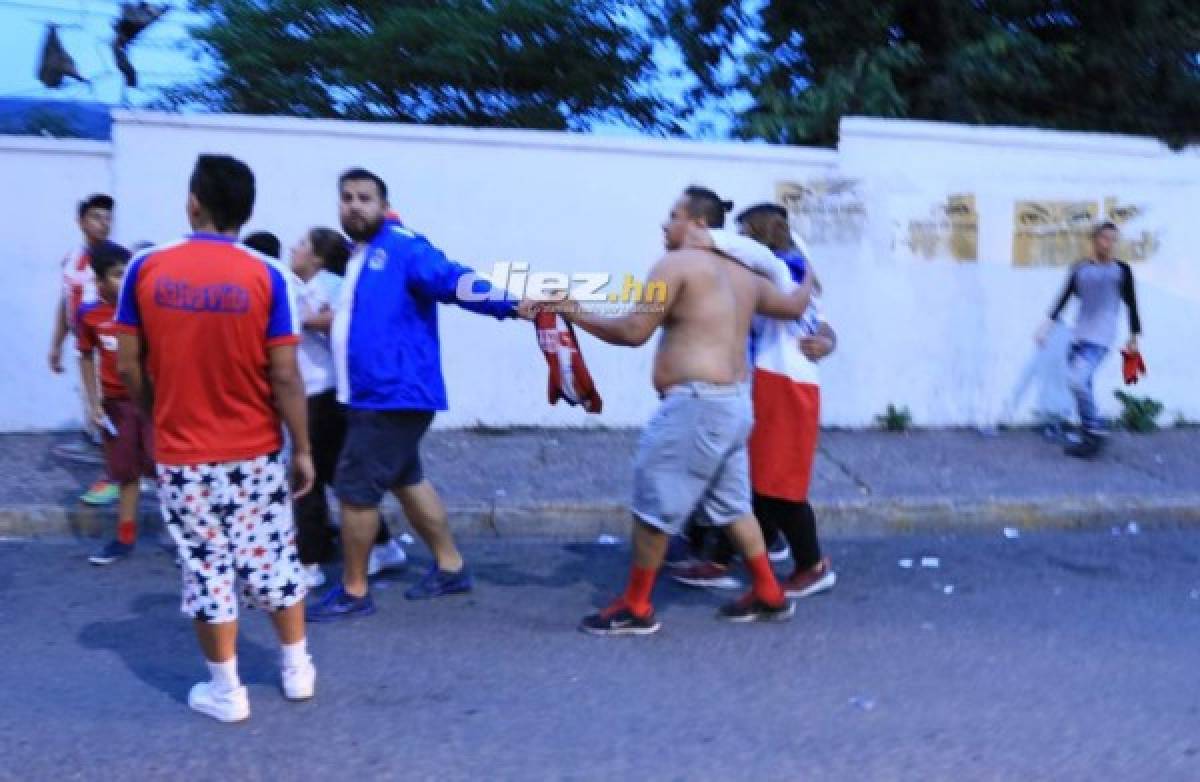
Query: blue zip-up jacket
[[385, 333]]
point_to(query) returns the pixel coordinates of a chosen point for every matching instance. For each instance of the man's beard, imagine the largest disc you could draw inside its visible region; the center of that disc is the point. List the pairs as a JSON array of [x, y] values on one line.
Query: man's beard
[[364, 233]]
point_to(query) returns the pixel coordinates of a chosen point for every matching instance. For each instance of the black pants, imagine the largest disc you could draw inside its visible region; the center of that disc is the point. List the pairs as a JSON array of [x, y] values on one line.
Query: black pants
[[795, 520], [316, 537]]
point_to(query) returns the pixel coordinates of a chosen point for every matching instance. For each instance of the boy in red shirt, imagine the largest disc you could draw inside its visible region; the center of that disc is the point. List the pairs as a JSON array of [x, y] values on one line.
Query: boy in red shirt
[[126, 431], [78, 288], [220, 329]]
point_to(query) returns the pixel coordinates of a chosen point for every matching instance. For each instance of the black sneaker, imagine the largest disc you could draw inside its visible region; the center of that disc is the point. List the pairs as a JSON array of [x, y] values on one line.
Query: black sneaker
[[749, 608], [679, 552], [1087, 448], [778, 550], [112, 552], [617, 619]]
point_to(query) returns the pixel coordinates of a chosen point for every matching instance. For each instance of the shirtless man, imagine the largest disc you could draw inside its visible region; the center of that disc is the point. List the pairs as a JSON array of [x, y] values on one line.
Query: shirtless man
[[692, 455]]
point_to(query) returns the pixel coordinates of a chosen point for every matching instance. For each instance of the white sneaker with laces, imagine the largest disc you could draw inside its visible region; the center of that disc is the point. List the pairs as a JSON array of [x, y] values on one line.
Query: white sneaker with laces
[[300, 681], [314, 576], [386, 556], [225, 706]]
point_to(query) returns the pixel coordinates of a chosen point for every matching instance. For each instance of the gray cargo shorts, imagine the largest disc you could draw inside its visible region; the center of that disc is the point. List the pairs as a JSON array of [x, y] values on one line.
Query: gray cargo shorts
[[692, 457]]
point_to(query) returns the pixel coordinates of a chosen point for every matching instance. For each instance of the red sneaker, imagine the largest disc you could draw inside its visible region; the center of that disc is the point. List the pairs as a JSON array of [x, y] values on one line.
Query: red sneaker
[[806, 583], [707, 575]]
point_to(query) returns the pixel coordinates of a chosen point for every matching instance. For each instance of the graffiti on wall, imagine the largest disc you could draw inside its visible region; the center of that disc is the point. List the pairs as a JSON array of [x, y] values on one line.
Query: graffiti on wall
[[825, 211], [1138, 242], [1052, 233], [951, 230], [1058, 233]]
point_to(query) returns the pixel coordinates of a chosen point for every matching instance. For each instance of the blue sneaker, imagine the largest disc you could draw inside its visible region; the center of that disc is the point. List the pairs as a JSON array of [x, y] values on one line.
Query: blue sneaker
[[337, 604], [438, 583], [113, 551]]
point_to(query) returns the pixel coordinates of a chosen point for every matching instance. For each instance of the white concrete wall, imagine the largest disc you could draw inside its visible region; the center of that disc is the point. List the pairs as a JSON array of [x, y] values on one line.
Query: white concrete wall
[[556, 201], [948, 339], [44, 181]]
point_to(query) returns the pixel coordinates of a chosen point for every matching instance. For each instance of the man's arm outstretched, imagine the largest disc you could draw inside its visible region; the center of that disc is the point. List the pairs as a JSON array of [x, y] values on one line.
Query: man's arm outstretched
[[636, 327]]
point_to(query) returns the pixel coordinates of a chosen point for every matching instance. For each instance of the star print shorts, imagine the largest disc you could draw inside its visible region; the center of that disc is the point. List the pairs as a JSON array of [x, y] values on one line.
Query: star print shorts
[[232, 523]]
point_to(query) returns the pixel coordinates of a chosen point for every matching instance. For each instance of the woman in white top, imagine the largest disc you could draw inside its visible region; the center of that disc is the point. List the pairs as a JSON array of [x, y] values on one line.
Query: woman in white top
[[318, 260]]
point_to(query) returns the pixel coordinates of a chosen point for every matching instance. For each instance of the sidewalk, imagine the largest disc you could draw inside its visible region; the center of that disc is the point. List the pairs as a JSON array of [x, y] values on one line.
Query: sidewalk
[[575, 484]]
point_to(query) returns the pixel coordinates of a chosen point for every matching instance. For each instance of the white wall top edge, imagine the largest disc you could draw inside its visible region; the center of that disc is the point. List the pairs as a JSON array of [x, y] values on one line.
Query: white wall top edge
[[1036, 138], [60, 146], [485, 136]]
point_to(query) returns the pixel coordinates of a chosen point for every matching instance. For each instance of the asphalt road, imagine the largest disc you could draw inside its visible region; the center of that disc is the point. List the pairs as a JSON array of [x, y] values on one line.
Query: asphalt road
[[1054, 656]]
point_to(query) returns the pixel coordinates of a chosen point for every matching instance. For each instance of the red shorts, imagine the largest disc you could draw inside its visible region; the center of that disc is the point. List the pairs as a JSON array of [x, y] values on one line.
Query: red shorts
[[783, 444], [128, 455]]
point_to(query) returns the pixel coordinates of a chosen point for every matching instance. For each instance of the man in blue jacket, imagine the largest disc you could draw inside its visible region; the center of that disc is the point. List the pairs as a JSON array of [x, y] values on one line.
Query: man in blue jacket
[[389, 374]]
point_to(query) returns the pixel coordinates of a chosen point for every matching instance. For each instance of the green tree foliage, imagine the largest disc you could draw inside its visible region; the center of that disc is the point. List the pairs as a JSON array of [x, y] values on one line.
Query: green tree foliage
[[1129, 66], [552, 64]]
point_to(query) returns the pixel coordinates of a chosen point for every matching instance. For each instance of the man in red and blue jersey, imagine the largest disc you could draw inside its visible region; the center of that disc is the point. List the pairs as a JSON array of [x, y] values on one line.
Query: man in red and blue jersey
[[219, 329]]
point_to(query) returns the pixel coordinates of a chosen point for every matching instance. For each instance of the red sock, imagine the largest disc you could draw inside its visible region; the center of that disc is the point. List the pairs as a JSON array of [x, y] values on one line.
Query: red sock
[[766, 587], [637, 593], [127, 531]]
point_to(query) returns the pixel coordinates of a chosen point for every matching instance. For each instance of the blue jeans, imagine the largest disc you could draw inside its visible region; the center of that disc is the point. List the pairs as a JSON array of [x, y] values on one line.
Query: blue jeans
[[1082, 360]]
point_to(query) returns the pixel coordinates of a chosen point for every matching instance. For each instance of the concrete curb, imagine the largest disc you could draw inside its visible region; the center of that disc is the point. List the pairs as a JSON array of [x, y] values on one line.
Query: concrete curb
[[583, 521]]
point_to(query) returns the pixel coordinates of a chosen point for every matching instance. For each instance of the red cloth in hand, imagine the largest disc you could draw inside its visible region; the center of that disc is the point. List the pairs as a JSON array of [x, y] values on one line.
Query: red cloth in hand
[[569, 376], [1132, 366]]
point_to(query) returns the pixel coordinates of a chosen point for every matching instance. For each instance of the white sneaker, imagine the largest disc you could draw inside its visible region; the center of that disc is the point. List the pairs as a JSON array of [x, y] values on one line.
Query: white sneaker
[[386, 556], [314, 576], [300, 682], [226, 706]]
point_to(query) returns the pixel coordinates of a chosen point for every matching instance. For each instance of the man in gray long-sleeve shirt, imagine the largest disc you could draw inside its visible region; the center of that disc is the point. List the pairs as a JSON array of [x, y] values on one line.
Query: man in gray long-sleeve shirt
[[1101, 283]]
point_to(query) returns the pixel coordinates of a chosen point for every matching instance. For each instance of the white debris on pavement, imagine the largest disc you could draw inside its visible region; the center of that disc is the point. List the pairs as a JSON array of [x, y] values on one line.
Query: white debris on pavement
[[931, 562], [905, 563], [608, 540], [1132, 528], [948, 589], [1012, 533], [863, 702]]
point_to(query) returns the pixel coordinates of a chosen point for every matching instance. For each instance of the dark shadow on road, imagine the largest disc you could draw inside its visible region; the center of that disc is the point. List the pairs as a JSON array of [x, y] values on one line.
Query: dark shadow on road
[[604, 568], [157, 646]]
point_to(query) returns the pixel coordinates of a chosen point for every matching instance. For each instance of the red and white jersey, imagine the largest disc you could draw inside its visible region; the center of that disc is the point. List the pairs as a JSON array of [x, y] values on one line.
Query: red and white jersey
[[78, 281]]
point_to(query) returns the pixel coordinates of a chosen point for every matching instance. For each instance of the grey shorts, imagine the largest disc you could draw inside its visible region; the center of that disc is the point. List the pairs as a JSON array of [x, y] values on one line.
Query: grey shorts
[[692, 458], [381, 453]]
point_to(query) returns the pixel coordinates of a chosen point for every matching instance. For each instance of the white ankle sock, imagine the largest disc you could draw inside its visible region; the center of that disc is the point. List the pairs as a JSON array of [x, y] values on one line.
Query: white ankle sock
[[224, 675], [295, 655]]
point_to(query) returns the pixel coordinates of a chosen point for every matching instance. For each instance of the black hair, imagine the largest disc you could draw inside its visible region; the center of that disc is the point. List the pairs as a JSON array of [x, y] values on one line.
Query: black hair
[[264, 242], [332, 248], [1107, 225], [96, 201], [707, 205], [361, 175], [765, 208], [105, 255], [224, 186]]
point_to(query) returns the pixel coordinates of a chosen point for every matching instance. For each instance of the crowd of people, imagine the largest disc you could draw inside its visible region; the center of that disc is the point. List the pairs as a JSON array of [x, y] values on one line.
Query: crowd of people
[[247, 388]]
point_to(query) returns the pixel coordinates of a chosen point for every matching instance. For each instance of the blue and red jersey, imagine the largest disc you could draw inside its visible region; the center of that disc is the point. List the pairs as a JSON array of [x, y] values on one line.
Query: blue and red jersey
[[208, 310]]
